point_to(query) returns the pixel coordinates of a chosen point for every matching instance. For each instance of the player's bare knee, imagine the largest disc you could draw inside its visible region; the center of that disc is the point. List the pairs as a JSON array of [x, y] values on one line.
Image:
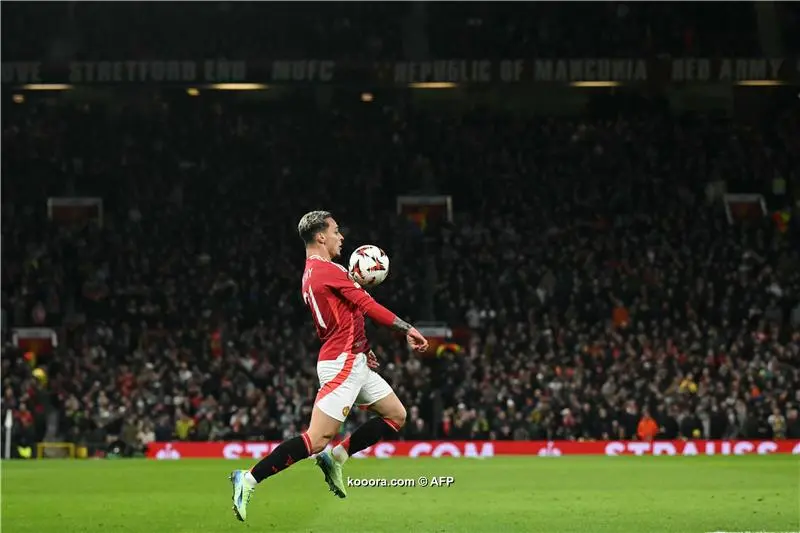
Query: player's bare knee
[[398, 416]]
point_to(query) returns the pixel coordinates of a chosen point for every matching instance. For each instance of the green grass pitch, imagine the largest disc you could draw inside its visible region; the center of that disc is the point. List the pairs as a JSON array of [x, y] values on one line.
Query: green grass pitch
[[503, 495]]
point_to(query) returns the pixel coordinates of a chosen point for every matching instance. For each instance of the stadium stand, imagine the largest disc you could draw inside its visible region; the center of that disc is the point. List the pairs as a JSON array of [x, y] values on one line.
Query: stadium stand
[[479, 30], [586, 307], [608, 29], [233, 30], [597, 273]]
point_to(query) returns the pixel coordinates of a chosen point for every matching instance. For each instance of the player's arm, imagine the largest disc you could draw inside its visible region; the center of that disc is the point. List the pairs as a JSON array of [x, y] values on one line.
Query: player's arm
[[381, 315], [351, 291]]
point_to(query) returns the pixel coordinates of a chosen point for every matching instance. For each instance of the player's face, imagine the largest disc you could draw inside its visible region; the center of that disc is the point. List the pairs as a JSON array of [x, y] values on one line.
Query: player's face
[[333, 239]]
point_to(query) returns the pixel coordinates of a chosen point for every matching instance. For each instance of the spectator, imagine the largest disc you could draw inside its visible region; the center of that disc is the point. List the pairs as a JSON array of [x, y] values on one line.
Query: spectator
[[777, 423], [648, 428]]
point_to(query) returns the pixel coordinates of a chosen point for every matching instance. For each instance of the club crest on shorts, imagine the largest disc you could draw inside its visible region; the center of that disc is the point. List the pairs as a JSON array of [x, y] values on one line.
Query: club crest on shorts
[[345, 411]]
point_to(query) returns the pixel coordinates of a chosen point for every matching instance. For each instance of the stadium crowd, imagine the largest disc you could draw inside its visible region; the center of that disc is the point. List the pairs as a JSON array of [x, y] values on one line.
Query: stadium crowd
[[598, 283]]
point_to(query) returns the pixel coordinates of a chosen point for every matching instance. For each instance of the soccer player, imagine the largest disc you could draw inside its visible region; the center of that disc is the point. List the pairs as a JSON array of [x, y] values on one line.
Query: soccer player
[[344, 367]]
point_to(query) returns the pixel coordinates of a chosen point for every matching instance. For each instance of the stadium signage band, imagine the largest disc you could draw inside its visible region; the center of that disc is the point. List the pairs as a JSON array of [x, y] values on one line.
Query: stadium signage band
[[449, 71], [487, 449]]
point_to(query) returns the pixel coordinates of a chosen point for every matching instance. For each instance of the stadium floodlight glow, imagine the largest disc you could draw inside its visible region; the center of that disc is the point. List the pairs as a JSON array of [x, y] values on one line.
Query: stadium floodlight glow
[[591, 84], [760, 83], [47, 87], [433, 85], [239, 86]]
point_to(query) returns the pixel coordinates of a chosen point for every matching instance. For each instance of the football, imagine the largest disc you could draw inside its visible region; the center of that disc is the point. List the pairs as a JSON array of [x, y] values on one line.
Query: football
[[369, 265]]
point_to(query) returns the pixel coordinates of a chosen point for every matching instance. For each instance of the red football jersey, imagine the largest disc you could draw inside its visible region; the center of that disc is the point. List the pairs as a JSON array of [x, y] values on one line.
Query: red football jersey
[[337, 305]]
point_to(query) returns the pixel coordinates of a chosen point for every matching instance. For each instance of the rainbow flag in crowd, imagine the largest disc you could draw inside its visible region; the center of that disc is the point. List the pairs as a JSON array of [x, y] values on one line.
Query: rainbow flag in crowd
[[419, 218], [449, 347]]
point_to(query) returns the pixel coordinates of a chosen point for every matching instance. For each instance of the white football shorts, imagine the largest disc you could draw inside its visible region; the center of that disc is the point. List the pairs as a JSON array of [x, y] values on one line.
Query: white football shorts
[[348, 381]]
